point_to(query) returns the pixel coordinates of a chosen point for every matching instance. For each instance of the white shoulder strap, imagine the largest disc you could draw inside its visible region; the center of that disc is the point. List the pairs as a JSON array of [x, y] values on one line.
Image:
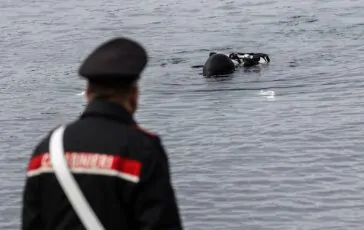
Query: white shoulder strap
[[68, 183]]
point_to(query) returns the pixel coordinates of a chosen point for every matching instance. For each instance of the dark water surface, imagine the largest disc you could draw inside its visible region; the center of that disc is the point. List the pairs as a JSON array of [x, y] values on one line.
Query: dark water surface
[[240, 159]]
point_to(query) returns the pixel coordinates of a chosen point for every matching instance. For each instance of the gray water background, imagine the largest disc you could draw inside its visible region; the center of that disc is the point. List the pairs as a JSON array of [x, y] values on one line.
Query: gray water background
[[239, 159]]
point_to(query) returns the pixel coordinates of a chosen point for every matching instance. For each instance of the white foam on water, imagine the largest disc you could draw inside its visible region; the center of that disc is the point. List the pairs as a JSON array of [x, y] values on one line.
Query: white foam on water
[[269, 94]]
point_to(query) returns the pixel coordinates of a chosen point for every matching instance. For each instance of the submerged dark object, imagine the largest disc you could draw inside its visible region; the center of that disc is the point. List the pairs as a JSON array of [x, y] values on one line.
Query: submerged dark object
[[218, 64]]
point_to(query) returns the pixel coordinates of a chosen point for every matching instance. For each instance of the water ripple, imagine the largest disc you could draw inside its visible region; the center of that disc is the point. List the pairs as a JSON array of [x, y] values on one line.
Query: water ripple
[[239, 158]]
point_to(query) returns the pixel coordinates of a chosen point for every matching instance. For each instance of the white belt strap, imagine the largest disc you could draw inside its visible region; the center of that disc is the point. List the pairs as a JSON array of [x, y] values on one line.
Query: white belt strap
[[68, 183]]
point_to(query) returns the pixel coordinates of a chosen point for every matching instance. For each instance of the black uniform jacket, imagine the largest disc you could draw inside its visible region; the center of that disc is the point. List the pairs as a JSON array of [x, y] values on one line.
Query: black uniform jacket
[[121, 169]]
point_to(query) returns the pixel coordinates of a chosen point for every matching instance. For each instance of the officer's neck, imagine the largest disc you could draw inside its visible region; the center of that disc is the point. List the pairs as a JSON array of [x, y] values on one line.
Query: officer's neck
[[131, 109], [129, 106]]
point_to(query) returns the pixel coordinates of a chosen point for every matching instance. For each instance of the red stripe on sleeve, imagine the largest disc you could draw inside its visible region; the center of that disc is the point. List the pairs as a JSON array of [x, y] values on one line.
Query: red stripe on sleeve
[[128, 166]]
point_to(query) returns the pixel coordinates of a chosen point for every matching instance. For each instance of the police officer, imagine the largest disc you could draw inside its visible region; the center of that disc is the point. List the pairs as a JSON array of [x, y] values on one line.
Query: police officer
[[121, 169]]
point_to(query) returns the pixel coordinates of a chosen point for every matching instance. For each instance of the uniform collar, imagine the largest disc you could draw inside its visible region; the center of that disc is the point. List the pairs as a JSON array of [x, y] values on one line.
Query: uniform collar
[[103, 108]]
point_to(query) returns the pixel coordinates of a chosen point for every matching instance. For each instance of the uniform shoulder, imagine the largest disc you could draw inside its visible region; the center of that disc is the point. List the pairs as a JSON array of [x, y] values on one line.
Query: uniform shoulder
[[43, 143], [146, 132]]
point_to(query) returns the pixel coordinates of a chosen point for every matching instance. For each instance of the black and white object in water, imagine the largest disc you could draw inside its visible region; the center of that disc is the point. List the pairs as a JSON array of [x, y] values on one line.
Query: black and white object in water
[[249, 59]]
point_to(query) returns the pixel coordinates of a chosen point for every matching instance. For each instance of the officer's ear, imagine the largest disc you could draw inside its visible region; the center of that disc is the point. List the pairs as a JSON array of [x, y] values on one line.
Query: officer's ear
[[87, 94], [135, 91], [134, 97]]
